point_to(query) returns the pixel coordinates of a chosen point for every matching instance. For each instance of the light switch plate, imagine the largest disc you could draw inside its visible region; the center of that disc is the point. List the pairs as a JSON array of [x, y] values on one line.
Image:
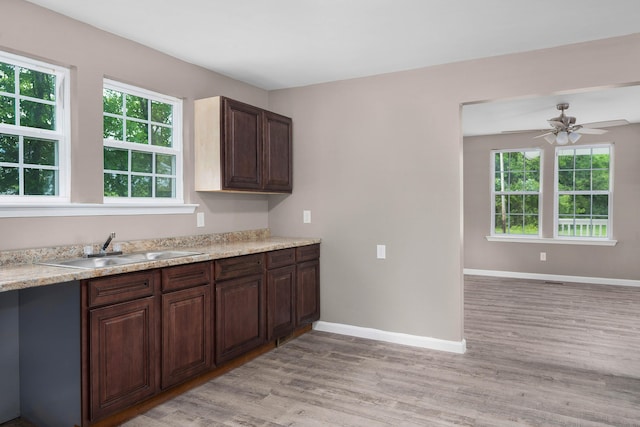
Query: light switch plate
[[306, 217], [382, 251]]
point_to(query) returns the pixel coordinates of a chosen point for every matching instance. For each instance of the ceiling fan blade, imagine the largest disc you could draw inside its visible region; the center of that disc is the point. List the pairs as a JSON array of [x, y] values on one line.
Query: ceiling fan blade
[[606, 124], [591, 131], [543, 135], [523, 131]]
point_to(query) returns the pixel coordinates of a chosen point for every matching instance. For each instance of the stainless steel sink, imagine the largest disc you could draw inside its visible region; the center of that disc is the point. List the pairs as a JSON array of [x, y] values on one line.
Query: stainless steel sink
[[113, 260]]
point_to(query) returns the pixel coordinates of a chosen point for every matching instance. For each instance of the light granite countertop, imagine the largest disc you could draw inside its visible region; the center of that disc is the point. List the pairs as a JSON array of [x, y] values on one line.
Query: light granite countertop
[[30, 274]]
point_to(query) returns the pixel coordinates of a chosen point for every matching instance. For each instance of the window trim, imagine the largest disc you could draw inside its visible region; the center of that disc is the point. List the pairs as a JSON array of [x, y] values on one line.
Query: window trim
[[176, 150], [556, 209], [62, 134], [539, 193]]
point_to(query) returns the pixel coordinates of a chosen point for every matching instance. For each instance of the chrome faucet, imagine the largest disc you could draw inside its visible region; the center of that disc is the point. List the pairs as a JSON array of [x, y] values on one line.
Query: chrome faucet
[[103, 248]]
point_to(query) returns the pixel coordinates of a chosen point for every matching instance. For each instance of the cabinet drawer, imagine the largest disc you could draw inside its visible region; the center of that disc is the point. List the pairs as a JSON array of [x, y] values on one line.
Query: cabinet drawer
[[186, 276], [307, 253], [125, 287], [281, 258], [230, 268]]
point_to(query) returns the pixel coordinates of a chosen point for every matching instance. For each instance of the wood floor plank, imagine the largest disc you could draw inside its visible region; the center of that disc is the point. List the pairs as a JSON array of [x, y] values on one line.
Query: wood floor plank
[[538, 354]]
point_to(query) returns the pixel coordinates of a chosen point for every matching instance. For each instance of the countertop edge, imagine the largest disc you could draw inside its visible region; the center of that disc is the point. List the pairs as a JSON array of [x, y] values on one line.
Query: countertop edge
[[25, 276]]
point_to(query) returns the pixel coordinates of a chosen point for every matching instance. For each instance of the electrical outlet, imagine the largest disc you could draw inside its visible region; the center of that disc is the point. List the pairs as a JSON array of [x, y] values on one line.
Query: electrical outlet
[[200, 219], [543, 256], [381, 251], [306, 217]]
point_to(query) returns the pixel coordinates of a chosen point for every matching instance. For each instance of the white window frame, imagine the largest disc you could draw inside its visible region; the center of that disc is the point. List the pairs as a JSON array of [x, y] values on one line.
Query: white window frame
[[494, 193], [176, 150], [556, 212], [60, 134]]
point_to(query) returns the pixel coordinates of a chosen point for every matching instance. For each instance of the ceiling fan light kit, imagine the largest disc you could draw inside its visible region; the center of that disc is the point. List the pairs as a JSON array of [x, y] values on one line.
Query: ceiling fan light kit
[[565, 129]]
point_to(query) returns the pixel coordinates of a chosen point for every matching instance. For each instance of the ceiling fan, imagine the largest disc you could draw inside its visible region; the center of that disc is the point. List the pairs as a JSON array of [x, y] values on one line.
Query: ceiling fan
[[565, 129]]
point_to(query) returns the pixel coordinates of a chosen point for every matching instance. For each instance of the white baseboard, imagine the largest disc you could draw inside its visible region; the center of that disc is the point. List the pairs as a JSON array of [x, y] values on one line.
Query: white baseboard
[[553, 277], [459, 347]]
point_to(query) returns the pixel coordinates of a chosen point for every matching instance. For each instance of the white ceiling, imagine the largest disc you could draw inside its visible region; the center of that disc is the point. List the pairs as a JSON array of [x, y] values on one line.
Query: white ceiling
[[277, 44]]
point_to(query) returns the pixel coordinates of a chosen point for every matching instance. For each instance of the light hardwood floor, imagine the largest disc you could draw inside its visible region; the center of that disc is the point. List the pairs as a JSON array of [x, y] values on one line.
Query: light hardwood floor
[[538, 354]]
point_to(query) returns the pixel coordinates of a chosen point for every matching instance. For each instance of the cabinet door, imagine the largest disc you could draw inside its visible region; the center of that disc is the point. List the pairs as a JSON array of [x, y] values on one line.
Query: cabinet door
[[242, 146], [307, 292], [240, 316], [278, 172], [123, 355], [186, 334], [281, 284]]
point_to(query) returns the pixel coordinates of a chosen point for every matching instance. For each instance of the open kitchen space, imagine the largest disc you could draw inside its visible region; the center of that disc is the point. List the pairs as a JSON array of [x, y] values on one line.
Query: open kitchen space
[[319, 212]]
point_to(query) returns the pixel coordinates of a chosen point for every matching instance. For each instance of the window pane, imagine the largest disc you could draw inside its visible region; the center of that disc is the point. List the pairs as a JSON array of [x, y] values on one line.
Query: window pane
[[531, 204], [600, 159], [515, 204], [583, 158], [116, 159], [532, 181], [141, 162], [112, 128], [9, 181], [7, 110], [516, 181], [583, 180], [532, 160], [161, 136], [565, 180], [37, 84], [498, 182], [565, 226], [600, 225], [115, 185], [165, 187], [112, 101], [9, 150], [565, 159], [566, 205], [37, 115], [40, 182], [137, 107], [161, 112], [530, 224], [165, 164], [7, 78], [137, 132], [40, 151], [141, 186], [600, 205], [600, 180], [583, 204]]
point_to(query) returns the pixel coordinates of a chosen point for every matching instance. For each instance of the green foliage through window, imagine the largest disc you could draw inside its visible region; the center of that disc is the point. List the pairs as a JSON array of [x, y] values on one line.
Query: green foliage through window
[[30, 137], [141, 156], [583, 184], [516, 192]]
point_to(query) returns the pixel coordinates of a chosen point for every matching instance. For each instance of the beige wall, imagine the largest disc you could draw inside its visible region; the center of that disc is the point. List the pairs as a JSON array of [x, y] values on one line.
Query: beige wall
[[378, 160], [618, 262], [92, 55]]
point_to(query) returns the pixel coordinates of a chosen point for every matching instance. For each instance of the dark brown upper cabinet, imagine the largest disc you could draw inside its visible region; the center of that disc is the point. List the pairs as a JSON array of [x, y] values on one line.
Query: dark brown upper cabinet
[[241, 148]]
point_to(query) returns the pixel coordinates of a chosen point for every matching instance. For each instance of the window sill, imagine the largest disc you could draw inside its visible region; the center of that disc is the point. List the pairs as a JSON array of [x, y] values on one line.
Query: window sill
[[551, 241], [88, 209]]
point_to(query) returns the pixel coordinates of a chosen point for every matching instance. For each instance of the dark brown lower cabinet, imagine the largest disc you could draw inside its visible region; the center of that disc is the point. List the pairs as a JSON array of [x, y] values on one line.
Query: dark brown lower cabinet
[[145, 332], [186, 334], [307, 292], [281, 318], [123, 355], [240, 316]]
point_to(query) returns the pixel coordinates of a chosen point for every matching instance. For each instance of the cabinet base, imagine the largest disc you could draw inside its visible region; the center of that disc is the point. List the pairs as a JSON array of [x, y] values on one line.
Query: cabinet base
[[156, 400]]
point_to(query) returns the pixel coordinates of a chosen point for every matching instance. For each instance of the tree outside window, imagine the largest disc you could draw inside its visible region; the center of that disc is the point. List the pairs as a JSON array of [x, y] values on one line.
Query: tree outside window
[[583, 191], [33, 142], [516, 192], [142, 144]]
